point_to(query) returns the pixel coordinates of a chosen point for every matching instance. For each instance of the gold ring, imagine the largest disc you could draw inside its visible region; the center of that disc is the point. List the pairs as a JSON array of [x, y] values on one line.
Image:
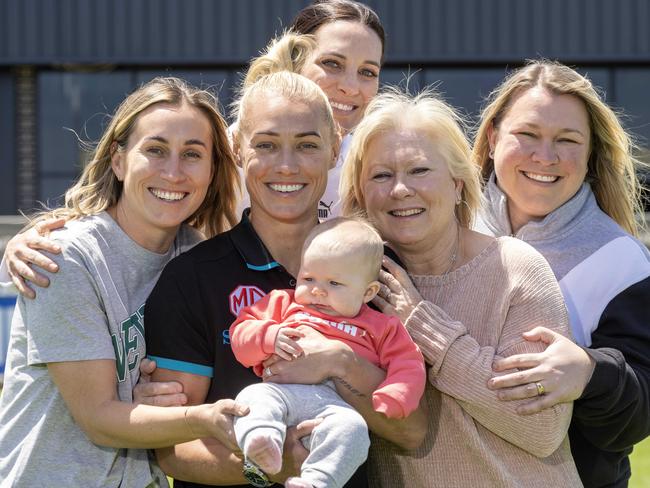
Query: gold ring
[[267, 371], [540, 389]]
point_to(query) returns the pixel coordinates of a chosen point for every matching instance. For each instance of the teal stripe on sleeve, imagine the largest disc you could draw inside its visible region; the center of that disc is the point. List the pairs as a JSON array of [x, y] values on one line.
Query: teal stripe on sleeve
[[265, 267], [183, 366]]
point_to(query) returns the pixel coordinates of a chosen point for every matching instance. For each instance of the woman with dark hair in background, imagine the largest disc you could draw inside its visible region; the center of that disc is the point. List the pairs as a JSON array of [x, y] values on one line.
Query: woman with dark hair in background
[[347, 59], [339, 44], [350, 46]]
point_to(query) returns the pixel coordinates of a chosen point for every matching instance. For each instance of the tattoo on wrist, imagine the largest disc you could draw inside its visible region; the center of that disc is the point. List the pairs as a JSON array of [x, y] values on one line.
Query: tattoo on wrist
[[348, 387]]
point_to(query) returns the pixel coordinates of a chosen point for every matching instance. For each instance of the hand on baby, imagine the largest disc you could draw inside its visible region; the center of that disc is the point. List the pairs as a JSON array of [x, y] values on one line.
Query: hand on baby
[[286, 345]]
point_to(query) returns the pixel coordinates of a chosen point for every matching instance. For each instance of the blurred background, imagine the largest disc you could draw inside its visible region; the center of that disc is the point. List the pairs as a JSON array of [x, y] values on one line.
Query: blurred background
[[65, 64]]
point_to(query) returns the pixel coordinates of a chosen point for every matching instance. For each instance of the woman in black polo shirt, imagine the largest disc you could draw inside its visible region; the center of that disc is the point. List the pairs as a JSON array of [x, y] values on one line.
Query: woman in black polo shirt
[[286, 142]]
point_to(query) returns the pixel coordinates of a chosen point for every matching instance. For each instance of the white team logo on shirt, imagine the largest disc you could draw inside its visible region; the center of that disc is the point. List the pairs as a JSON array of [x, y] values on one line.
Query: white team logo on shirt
[[244, 296], [342, 326]]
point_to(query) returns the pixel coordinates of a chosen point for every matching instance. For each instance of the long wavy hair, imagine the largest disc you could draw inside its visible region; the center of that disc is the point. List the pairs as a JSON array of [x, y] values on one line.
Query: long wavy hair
[[98, 189], [611, 169]]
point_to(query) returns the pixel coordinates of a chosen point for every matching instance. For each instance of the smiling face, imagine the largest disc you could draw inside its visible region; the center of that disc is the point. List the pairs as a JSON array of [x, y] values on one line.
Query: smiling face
[[541, 151], [336, 284], [346, 66], [286, 148], [407, 188], [165, 169]]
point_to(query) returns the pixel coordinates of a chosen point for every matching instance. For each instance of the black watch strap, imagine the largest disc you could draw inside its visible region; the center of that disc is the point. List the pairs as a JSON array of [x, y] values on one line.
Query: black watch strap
[[255, 476]]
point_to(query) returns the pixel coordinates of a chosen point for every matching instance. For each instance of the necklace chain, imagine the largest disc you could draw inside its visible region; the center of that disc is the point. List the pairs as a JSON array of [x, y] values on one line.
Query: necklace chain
[[452, 262]]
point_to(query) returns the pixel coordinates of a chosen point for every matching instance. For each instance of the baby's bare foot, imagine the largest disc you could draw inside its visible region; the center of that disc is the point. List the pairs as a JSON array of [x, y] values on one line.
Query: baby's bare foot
[[297, 483], [265, 452]]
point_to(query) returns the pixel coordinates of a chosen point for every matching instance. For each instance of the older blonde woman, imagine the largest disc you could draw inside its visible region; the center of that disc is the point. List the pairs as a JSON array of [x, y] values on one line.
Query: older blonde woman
[[466, 302], [561, 176]]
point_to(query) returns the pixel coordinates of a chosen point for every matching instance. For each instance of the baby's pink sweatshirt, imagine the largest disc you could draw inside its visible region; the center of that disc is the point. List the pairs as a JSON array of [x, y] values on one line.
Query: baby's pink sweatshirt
[[379, 338]]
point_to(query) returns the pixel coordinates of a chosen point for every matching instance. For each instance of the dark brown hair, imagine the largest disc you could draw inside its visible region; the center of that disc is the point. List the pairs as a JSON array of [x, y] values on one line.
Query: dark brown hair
[[322, 12]]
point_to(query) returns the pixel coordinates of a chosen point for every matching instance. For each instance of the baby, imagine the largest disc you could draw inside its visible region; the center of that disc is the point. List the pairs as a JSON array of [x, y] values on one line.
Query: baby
[[340, 264]]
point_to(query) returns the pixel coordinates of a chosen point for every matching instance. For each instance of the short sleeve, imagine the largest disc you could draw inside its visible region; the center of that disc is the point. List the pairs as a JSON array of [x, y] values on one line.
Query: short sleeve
[[176, 332], [67, 321]]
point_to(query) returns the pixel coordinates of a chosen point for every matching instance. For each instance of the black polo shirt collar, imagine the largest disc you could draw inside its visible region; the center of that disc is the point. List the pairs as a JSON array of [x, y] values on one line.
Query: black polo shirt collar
[[251, 248]]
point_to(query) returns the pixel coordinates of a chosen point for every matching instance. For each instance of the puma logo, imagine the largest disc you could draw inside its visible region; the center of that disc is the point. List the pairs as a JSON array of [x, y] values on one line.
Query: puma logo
[[324, 210]]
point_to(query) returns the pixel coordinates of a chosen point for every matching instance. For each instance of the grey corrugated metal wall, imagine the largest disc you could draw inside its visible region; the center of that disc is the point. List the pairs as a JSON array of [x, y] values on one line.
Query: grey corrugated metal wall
[[137, 31], [227, 32], [507, 30], [75, 59]]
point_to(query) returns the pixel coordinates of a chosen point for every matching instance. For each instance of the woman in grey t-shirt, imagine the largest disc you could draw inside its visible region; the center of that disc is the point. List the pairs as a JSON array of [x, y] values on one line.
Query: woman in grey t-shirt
[[162, 170]]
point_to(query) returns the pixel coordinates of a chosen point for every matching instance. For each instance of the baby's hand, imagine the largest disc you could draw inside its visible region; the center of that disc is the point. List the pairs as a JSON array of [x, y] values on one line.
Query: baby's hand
[[285, 345]]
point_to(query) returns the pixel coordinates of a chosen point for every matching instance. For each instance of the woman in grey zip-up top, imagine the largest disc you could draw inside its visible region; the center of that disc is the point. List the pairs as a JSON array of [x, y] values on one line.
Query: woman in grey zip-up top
[[560, 175]]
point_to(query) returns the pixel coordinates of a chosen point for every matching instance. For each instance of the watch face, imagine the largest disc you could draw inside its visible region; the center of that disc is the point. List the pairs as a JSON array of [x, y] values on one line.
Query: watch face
[[255, 476]]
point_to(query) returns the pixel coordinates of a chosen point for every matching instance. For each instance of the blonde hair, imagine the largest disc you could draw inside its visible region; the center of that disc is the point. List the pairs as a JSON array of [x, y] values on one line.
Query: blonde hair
[[351, 236], [427, 113], [99, 189], [288, 52], [292, 87], [611, 169]]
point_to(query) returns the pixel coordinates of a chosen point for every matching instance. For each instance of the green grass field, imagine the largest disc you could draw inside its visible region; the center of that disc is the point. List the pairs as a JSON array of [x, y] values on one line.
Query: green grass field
[[641, 465]]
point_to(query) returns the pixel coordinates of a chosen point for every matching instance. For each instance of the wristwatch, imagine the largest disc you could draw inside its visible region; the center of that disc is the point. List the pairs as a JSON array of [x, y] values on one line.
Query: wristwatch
[[255, 476]]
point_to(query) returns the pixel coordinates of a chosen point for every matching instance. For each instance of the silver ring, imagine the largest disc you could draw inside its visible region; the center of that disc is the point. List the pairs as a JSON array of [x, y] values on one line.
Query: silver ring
[[540, 389], [267, 371]]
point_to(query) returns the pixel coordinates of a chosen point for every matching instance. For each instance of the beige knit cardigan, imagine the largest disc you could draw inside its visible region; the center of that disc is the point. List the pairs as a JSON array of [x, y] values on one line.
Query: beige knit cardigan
[[474, 439]]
